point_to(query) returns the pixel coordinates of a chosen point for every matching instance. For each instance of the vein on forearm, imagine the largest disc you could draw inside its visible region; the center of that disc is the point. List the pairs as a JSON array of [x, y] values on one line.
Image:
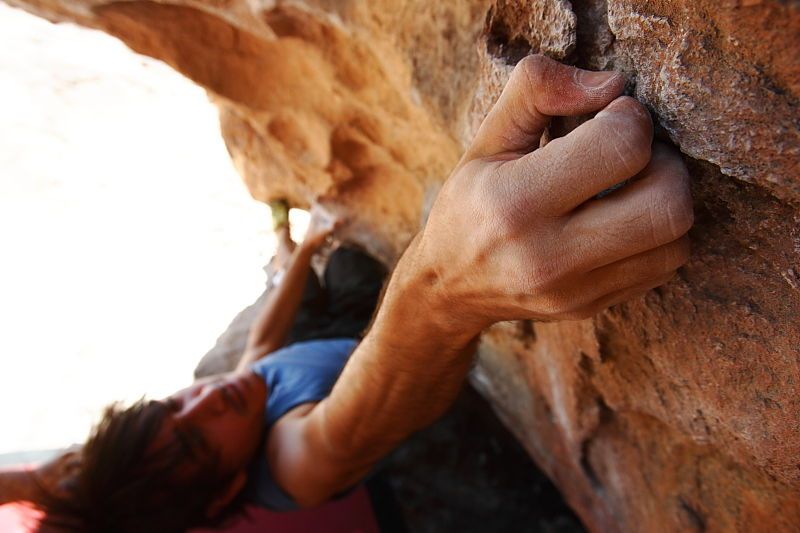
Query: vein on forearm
[[403, 376]]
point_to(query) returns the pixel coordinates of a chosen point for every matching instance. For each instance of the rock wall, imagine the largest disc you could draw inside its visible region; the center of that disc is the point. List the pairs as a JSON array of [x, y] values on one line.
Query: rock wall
[[678, 411]]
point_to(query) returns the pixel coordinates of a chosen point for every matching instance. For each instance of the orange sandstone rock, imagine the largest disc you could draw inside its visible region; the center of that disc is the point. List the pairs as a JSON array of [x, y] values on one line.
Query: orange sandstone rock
[[679, 411]]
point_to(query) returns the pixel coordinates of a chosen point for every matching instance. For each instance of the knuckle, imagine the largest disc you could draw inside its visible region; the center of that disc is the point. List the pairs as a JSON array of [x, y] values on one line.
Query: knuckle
[[542, 278], [676, 204], [680, 213], [530, 279], [683, 251], [531, 68], [468, 185], [629, 135], [675, 255], [634, 114], [503, 219], [529, 76], [506, 227], [668, 201]]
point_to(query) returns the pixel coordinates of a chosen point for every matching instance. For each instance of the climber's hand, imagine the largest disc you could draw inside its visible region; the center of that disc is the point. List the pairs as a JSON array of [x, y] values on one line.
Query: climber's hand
[[517, 231], [321, 226]]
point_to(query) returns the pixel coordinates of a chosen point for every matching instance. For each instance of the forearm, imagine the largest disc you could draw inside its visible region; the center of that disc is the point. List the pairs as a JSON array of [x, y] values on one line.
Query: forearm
[[270, 328], [17, 485], [516, 232], [403, 376]]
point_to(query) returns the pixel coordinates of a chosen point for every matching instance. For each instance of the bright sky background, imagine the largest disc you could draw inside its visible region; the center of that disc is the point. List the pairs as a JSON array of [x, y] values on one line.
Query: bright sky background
[[127, 240]]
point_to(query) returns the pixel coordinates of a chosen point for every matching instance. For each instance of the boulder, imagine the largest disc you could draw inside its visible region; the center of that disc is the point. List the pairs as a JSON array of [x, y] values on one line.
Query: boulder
[[677, 411]]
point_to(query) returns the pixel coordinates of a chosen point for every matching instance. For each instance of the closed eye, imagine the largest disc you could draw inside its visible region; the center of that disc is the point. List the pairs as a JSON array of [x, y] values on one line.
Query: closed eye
[[193, 443]]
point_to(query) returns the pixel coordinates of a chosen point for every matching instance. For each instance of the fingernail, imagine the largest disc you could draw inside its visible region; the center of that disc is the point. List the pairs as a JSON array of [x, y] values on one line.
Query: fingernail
[[594, 80]]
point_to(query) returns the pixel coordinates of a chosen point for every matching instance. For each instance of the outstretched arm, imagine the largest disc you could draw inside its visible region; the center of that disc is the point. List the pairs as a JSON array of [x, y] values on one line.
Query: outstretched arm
[[516, 232], [269, 330], [29, 483], [17, 484]]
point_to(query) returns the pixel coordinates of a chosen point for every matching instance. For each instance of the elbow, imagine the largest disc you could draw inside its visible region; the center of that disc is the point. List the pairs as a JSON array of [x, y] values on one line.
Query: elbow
[[315, 495], [309, 501], [316, 488]]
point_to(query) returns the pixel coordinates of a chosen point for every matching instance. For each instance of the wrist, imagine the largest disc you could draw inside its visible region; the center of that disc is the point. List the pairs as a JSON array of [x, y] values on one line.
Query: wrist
[[417, 309], [306, 249]]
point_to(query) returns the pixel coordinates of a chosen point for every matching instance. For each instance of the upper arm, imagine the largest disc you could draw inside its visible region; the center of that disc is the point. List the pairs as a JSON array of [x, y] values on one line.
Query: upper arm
[[302, 466]]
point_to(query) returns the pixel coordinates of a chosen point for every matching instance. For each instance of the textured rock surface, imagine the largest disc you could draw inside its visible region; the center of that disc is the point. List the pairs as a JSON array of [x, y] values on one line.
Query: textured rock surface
[[679, 411]]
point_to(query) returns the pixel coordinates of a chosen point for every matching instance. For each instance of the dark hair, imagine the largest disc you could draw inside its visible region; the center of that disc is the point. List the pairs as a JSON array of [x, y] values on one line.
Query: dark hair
[[123, 487]]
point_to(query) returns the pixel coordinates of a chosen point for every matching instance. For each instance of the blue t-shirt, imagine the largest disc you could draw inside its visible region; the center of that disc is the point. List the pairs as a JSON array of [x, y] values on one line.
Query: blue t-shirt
[[300, 373]]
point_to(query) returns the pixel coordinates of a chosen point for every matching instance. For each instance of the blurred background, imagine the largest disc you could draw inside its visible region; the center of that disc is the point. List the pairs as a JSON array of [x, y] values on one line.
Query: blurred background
[[127, 240]]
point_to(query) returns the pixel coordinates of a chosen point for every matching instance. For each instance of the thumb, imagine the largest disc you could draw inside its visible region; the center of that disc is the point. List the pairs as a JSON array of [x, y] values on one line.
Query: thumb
[[540, 88]]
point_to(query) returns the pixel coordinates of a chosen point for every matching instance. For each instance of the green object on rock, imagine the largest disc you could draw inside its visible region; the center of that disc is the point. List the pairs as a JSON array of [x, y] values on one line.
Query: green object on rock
[[280, 214]]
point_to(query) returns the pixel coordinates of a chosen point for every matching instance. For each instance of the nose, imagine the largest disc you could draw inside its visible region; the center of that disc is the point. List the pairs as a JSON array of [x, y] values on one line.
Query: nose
[[204, 403]]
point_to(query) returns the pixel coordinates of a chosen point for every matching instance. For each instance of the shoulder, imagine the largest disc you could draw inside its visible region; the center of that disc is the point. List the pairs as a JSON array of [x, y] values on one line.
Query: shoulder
[[299, 461], [296, 462], [265, 489]]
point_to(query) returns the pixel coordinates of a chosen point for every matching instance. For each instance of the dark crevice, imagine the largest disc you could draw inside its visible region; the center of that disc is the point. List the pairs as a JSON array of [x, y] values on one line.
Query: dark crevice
[[594, 39], [501, 41], [526, 332], [586, 364], [605, 412], [695, 518], [604, 332], [604, 417], [586, 465]]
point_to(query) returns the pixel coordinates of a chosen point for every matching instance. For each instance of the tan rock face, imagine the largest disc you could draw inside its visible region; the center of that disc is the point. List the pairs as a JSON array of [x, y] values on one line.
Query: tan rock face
[[678, 411]]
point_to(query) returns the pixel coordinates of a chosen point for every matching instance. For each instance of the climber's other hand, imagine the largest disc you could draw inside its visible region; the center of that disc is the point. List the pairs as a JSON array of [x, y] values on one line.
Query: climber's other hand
[[321, 226]]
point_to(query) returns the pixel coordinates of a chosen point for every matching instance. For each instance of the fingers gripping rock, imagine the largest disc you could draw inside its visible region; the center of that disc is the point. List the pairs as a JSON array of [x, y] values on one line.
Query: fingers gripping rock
[[517, 231], [540, 88]]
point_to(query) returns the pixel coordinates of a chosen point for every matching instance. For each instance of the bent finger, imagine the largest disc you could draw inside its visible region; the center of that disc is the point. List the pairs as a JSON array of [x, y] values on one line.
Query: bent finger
[[630, 293], [581, 291], [540, 88], [639, 268], [650, 212], [600, 153]]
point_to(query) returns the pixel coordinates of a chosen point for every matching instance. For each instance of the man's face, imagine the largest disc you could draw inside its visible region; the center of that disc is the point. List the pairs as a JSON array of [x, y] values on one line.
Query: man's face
[[222, 415]]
